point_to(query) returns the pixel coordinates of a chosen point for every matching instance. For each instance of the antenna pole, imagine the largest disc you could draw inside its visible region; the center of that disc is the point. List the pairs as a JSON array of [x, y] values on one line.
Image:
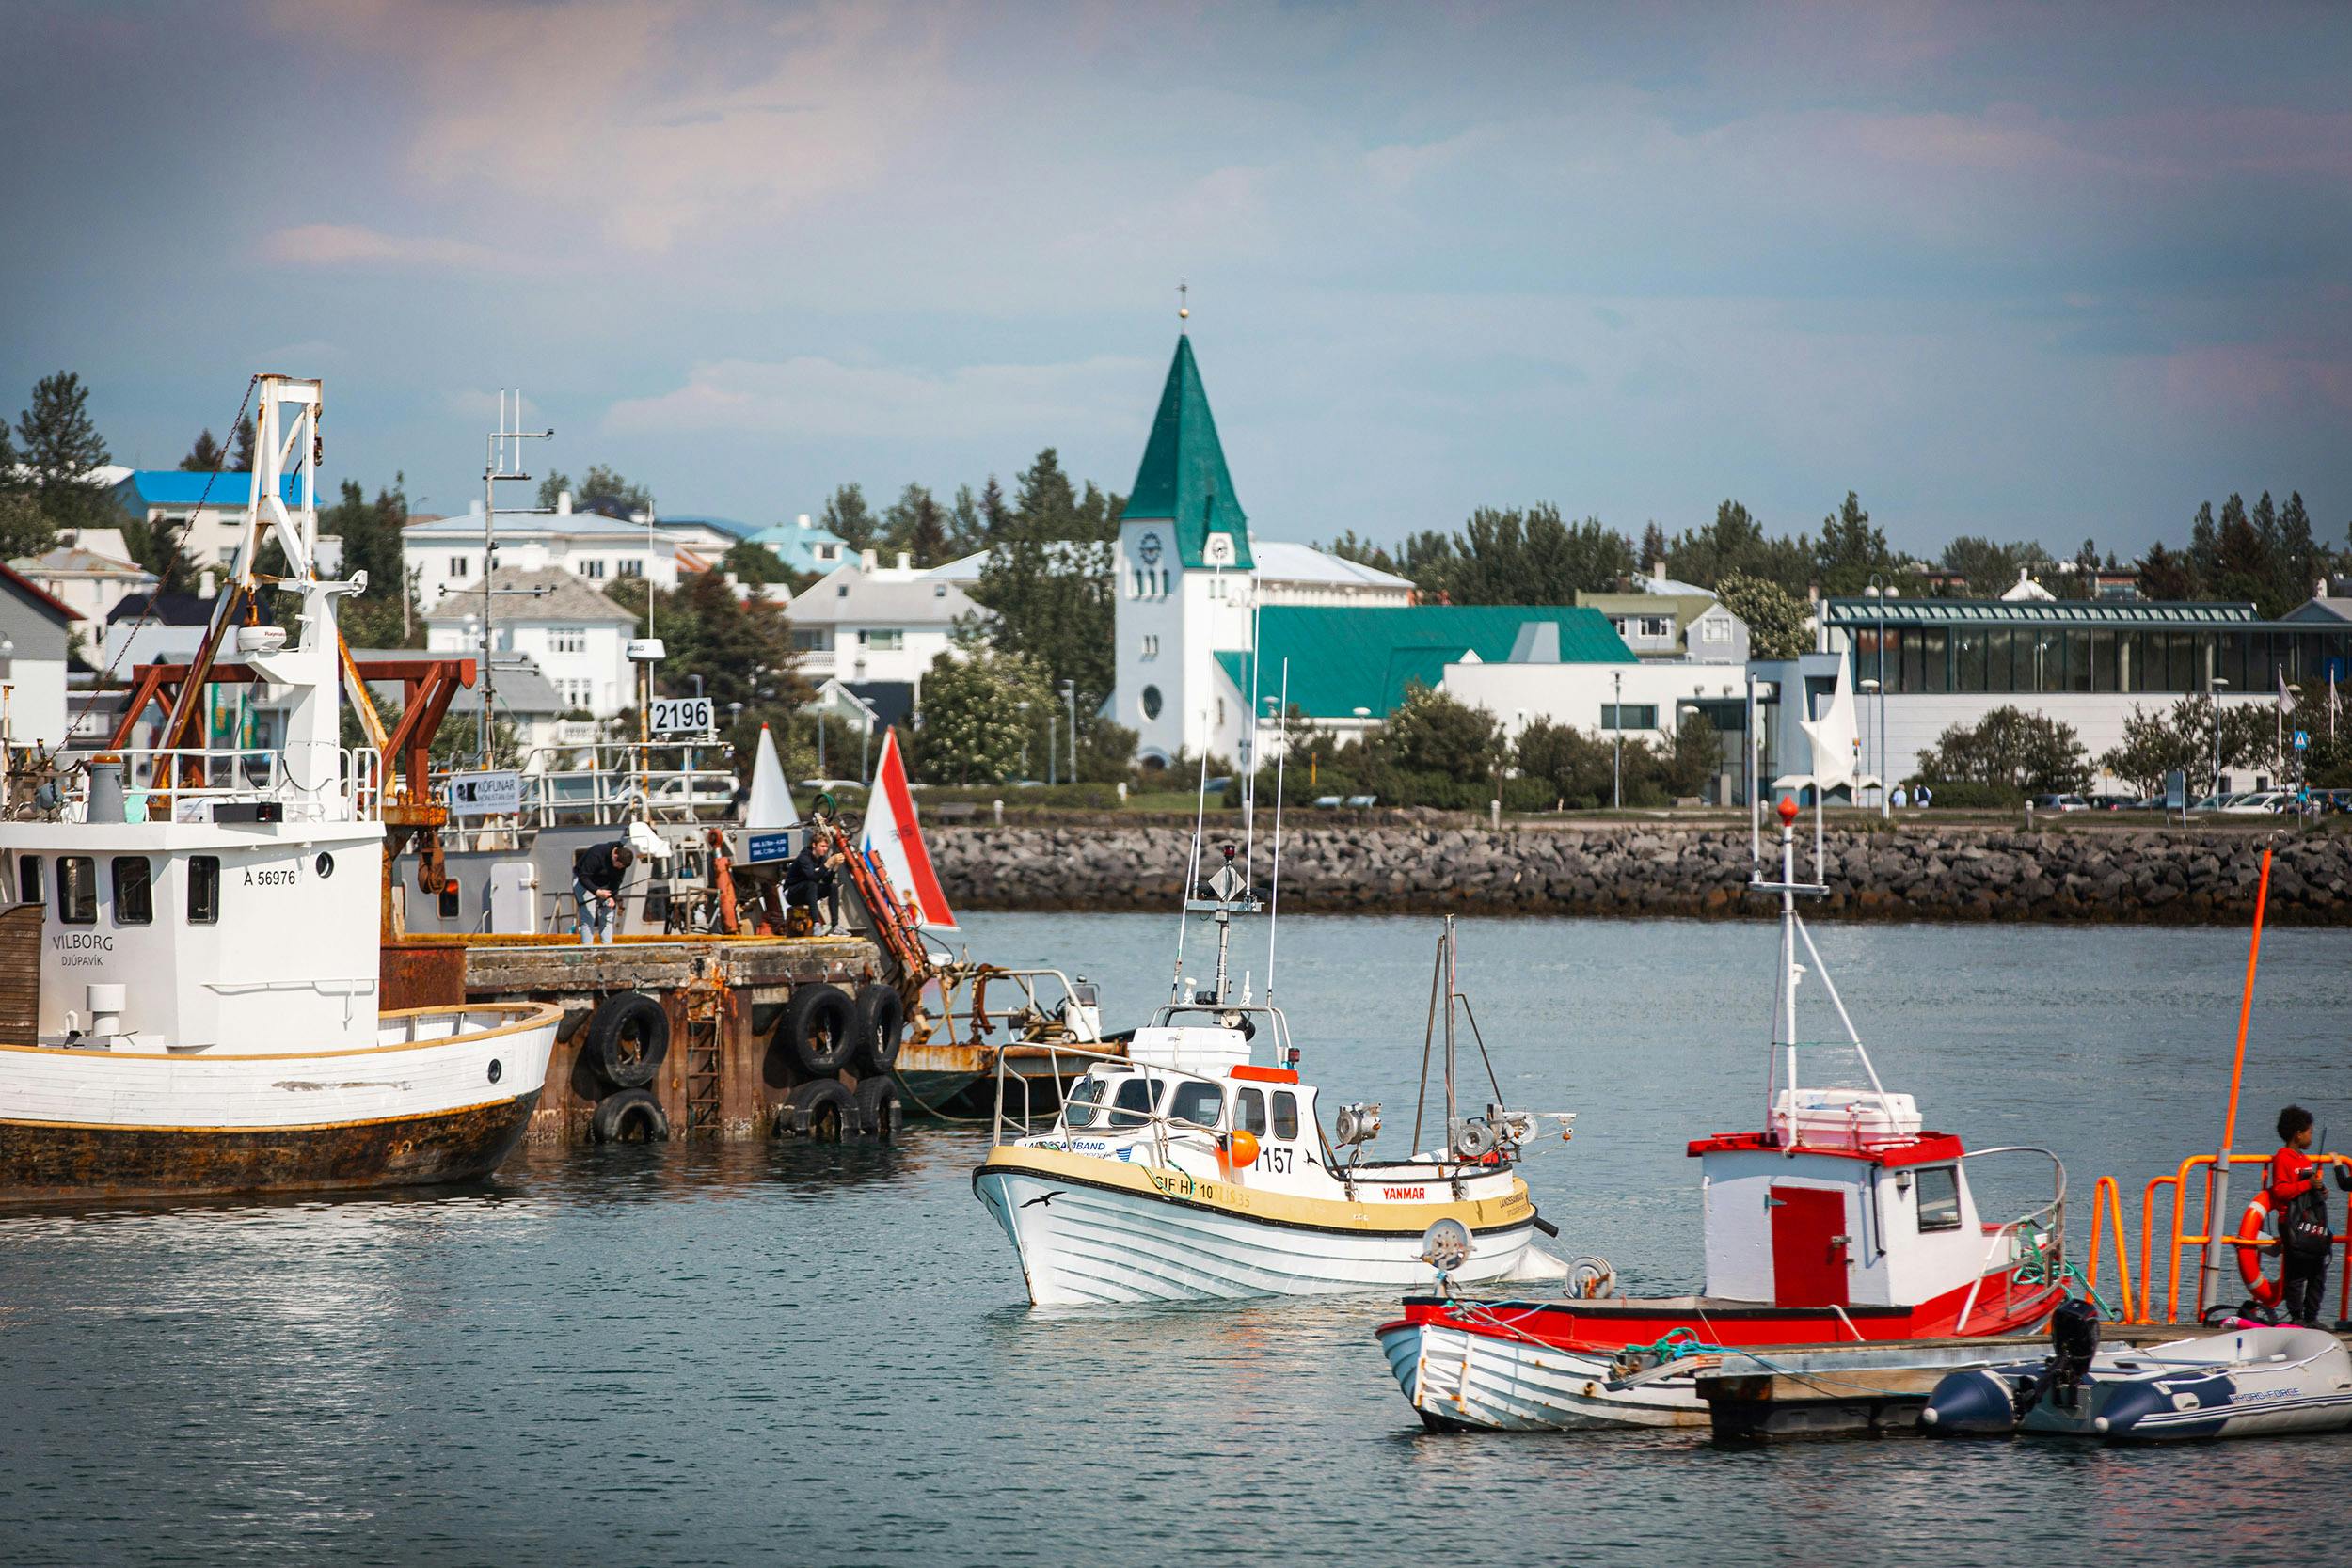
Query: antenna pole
[[505, 457], [1281, 763], [1453, 1112], [1192, 876], [1788, 966]]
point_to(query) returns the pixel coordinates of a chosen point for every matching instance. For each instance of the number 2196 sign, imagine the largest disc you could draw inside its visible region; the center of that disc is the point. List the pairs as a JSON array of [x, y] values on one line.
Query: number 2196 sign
[[688, 715]]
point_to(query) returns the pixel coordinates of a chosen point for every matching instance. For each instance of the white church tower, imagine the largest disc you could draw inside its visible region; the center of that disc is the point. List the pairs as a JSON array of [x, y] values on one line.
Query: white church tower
[[1183, 574]]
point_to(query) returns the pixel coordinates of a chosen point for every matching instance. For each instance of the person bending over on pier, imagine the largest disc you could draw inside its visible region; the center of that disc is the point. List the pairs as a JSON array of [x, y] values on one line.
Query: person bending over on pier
[[598, 873], [811, 878], [2298, 1204]]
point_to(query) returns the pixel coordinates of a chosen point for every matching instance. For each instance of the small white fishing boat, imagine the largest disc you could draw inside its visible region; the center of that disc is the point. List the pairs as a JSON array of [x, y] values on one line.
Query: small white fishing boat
[[2246, 1382], [1845, 1220], [1188, 1170], [189, 967]]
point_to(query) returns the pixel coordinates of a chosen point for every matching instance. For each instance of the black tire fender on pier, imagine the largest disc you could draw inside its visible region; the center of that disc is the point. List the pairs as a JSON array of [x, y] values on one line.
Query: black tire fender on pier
[[878, 1111], [822, 1110], [820, 1029], [629, 1035], [629, 1115], [882, 1028]]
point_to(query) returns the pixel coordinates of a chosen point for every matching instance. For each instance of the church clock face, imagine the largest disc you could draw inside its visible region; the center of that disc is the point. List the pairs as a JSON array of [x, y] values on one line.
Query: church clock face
[[1149, 548]]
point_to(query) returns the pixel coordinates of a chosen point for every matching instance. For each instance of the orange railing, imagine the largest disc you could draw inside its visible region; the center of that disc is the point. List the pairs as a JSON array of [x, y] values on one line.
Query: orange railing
[[2179, 1237], [2106, 1200]]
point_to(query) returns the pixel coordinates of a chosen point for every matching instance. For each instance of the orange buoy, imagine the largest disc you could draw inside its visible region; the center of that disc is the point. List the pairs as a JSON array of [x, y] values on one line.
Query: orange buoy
[[2250, 1263], [1245, 1146]]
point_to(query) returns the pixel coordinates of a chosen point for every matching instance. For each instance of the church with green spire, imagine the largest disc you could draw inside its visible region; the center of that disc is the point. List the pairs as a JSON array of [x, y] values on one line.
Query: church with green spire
[[1210, 622]]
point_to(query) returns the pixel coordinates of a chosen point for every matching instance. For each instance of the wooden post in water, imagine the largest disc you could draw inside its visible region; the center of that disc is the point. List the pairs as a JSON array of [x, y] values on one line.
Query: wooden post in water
[[2217, 1180]]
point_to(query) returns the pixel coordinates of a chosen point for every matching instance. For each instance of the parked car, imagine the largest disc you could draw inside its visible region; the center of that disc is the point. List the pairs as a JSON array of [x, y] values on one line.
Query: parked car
[[2061, 802], [2262, 802], [2115, 802]]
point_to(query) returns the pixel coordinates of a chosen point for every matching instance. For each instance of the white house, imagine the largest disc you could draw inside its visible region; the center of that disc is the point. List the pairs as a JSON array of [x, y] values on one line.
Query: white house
[[876, 629], [36, 628], [571, 633], [92, 571], [444, 552]]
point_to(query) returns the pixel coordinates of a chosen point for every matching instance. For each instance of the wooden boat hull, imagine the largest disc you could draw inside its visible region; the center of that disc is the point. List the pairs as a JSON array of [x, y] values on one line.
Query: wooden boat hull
[[1092, 1230], [447, 1100], [1553, 1365]]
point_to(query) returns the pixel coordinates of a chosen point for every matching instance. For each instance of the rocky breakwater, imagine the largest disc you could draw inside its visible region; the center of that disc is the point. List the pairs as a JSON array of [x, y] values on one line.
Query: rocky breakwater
[[2145, 877]]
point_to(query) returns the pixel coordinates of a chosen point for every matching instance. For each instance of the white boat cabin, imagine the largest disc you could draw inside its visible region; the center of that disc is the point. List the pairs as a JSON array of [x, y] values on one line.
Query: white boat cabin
[[1847, 1201]]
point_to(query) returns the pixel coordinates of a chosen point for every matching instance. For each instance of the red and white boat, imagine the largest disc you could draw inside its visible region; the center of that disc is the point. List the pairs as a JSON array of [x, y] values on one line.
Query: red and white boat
[[1845, 1220]]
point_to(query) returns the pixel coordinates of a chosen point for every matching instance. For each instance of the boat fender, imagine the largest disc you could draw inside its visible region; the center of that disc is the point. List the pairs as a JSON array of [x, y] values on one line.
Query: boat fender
[[882, 1028], [629, 1035], [821, 1109], [820, 1029], [1546, 1227], [879, 1113], [628, 1116], [1244, 1145], [2265, 1290]]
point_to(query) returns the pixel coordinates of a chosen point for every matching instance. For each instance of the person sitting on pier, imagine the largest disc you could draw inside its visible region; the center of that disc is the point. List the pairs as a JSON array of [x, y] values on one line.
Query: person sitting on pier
[[811, 878], [2299, 1205], [598, 873]]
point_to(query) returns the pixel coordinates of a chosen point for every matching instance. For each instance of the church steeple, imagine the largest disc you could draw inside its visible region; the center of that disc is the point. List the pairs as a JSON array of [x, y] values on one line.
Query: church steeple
[[1183, 479]]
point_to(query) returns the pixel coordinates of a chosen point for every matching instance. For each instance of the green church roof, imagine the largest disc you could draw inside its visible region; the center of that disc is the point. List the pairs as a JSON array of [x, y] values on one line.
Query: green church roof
[[1184, 478], [1343, 658]]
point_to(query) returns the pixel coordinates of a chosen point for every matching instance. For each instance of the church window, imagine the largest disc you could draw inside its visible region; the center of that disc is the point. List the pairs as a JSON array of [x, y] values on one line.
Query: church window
[[1151, 701]]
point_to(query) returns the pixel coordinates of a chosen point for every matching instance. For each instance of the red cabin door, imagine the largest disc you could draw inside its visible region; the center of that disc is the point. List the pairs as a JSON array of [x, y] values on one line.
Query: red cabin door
[[1808, 1246]]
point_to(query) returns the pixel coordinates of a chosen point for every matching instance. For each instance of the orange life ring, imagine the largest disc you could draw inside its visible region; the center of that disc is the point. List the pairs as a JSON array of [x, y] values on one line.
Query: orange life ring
[[2250, 1260]]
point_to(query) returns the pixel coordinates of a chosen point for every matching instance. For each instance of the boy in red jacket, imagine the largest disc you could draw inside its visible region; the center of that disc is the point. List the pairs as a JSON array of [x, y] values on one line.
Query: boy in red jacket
[[2292, 1174]]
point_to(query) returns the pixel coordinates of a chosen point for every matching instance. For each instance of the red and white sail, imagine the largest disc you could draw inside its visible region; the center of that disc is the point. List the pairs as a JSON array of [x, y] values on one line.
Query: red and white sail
[[895, 840]]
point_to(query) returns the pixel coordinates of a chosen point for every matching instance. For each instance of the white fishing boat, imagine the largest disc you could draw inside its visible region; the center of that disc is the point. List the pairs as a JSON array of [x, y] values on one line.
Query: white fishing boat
[[188, 953], [1197, 1166]]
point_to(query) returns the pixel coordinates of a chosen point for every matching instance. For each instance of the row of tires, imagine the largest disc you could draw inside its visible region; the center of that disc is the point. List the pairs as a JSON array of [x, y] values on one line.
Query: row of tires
[[824, 1110], [824, 1029]]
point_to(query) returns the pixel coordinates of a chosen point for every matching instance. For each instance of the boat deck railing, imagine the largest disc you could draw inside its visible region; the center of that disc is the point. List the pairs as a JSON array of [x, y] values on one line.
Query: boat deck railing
[[332, 784], [609, 783], [2031, 1249], [1152, 1121]]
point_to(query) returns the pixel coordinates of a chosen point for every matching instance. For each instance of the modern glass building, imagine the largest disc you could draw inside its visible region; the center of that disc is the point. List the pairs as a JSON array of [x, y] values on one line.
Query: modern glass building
[[2084, 646]]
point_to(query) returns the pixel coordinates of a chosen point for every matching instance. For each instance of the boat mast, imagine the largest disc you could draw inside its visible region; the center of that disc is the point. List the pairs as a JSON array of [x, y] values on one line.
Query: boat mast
[[1453, 1111], [502, 463]]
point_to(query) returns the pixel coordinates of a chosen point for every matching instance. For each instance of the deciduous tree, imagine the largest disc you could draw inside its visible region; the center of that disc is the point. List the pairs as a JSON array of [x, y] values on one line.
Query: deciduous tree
[[1774, 616]]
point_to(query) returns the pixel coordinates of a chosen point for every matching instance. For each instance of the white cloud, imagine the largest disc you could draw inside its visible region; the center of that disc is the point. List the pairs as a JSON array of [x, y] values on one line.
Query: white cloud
[[809, 396], [347, 245]]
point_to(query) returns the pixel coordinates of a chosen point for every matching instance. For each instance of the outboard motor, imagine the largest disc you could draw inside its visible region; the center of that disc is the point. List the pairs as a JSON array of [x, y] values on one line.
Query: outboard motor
[[2074, 1341]]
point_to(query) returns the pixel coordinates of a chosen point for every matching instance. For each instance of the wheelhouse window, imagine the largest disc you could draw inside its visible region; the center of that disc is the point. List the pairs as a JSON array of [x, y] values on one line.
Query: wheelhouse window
[[1938, 1187], [1285, 1114], [203, 890], [28, 889], [1201, 1104], [135, 891], [1249, 1112], [1135, 1102], [77, 890], [1085, 1100]]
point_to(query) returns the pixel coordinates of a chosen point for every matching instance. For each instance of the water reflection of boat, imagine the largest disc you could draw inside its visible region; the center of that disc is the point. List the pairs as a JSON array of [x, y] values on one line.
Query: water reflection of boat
[[205, 1014], [1844, 1220]]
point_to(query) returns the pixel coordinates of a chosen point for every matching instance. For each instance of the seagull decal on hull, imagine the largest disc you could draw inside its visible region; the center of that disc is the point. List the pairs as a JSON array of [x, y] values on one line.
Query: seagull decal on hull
[[1047, 1198]]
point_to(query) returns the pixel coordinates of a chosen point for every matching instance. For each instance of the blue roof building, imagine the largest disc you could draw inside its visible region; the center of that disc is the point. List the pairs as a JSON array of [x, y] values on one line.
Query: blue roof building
[[804, 546]]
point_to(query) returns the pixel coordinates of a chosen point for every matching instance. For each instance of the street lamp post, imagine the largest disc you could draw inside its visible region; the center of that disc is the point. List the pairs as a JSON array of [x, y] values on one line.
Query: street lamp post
[[1881, 591], [1024, 742], [1053, 748], [2214, 685], [1616, 768], [1070, 701]]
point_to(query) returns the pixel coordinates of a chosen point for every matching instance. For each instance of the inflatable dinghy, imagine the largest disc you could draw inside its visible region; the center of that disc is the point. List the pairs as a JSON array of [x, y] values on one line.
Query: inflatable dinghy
[[2252, 1382]]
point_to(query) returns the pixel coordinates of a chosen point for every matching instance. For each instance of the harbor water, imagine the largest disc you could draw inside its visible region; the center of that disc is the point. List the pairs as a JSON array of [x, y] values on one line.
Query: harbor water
[[822, 1355]]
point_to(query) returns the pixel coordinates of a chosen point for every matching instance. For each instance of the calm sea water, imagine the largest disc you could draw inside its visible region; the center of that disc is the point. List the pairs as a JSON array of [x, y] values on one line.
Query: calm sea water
[[810, 1355]]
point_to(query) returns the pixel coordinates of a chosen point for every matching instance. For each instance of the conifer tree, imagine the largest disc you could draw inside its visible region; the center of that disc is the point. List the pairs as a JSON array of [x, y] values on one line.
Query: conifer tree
[[206, 456], [62, 447]]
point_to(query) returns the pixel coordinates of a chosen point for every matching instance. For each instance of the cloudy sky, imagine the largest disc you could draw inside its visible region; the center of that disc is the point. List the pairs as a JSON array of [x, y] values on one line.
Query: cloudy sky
[[2028, 271]]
